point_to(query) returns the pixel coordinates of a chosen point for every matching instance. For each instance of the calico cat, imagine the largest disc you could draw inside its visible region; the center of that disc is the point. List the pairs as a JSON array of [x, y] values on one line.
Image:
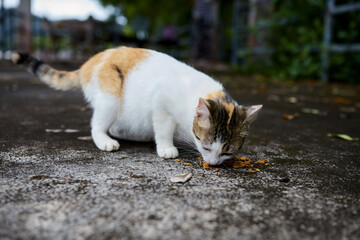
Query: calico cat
[[144, 95]]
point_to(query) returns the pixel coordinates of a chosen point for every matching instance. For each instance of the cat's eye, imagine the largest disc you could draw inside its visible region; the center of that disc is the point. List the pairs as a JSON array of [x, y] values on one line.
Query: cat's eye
[[207, 149], [226, 154]]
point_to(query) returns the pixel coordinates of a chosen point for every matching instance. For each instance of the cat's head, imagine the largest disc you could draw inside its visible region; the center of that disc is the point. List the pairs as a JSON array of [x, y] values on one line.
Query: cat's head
[[220, 128]]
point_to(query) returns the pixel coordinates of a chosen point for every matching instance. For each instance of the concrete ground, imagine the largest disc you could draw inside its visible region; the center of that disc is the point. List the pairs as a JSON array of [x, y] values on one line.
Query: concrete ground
[[55, 186]]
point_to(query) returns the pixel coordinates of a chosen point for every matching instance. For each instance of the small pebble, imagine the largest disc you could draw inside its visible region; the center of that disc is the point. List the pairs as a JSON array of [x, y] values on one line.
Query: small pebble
[[285, 180]]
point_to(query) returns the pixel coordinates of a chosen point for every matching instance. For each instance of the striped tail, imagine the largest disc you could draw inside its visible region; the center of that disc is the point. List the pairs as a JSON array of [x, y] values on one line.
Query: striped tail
[[62, 80]]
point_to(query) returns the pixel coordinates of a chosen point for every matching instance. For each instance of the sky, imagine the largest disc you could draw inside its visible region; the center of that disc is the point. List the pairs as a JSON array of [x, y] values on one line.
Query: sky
[[66, 9]]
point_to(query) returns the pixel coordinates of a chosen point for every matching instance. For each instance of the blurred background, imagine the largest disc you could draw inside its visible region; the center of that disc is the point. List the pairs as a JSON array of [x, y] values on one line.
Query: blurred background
[[279, 39]]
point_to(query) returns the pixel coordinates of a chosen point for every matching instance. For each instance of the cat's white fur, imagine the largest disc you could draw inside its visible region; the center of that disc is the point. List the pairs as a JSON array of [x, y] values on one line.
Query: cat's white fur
[[159, 101]]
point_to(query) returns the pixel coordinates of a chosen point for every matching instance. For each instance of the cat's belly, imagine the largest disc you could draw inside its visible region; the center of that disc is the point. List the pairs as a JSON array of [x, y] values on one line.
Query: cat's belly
[[133, 127]]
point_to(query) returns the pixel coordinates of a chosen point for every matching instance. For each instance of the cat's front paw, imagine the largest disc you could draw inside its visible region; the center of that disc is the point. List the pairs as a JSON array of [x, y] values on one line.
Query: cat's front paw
[[108, 145], [169, 152]]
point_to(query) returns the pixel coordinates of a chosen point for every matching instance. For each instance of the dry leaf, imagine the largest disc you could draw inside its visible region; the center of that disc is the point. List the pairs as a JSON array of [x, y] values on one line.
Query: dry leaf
[[291, 100], [347, 109], [290, 116], [342, 136], [181, 177], [53, 130], [341, 100], [275, 98], [71, 130], [85, 138], [311, 110], [61, 130]]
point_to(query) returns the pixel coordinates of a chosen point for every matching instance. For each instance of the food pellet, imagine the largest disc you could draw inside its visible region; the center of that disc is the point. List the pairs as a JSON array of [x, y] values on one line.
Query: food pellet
[[217, 169], [258, 170], [251, 171], [267, 164], [187, 164], [262, 162], [206, 166], [178, 160]]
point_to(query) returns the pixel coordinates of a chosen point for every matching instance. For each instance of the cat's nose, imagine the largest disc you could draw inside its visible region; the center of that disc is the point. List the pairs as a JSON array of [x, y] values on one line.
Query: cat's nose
[[213, 162]]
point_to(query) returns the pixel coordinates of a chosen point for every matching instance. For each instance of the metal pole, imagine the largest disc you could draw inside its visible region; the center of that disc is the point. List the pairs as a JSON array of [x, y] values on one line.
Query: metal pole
[[327, 41], [235, 33], [2, 28]]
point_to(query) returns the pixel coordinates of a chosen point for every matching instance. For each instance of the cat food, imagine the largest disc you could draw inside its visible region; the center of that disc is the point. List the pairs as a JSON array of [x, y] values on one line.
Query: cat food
[[178, 160], [238, 162], [187, 164], [205, 165], [262, 162]]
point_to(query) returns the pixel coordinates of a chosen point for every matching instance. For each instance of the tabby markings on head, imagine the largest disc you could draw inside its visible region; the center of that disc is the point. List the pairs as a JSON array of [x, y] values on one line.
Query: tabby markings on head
[[224, 104]]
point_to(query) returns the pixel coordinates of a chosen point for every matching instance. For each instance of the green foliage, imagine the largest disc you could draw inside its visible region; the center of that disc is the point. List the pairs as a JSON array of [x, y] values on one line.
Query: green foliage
[[172, 12], [296, 37], [295, 34]]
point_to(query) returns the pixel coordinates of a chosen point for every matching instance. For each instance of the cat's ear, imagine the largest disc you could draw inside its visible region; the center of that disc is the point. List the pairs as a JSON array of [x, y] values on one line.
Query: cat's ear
[[252, 112], [203, 113]]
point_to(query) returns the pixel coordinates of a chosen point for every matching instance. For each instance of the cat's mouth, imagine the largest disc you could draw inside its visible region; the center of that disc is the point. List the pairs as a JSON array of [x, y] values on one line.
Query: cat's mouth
[[214, 162]]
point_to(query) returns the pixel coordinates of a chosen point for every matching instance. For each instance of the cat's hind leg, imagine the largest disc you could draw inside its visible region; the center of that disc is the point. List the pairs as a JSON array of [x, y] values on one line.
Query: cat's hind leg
[[117, 132], [164, 128], [105, 113]]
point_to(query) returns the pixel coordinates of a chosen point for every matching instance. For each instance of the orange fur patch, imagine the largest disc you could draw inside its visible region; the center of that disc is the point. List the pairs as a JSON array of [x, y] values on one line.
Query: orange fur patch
[[229, 107], [214, 95], [87, 69], [117, 66]]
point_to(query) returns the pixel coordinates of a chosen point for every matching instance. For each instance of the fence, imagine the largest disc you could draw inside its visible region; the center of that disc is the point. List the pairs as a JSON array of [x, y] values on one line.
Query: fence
[[244, 18], [328, 47], [250, 26]]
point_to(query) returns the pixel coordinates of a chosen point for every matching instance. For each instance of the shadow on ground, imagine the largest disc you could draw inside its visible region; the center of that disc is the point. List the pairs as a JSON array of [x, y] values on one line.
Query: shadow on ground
[[56, 186]]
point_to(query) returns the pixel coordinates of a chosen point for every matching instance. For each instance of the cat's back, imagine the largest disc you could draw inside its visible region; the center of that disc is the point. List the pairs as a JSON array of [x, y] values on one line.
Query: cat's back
[[164, 71], [129, 71]]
